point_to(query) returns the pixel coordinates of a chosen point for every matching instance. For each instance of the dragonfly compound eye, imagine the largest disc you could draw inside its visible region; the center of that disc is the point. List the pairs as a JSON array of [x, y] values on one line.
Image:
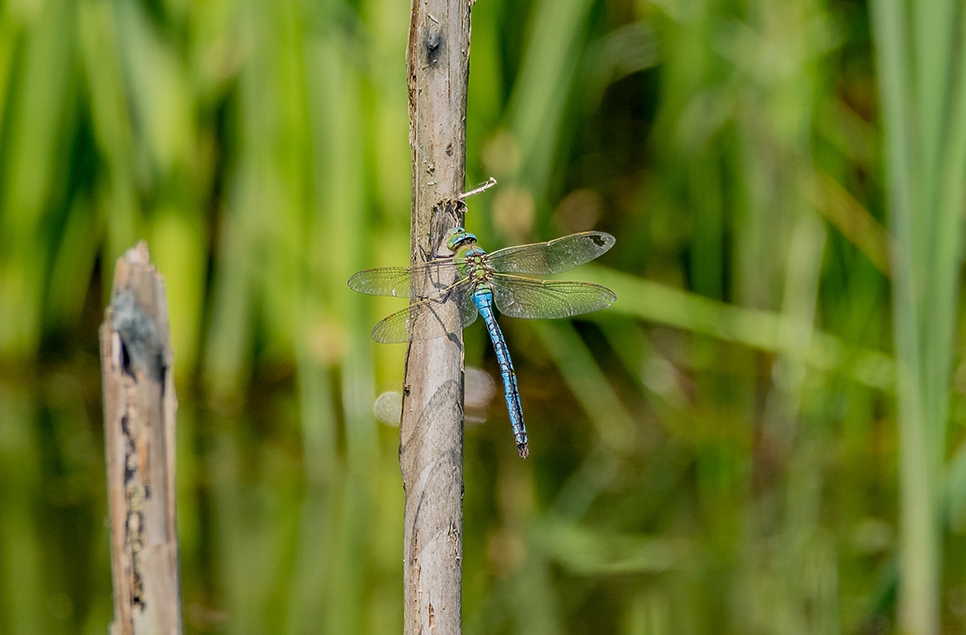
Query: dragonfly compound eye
[[458, 238]]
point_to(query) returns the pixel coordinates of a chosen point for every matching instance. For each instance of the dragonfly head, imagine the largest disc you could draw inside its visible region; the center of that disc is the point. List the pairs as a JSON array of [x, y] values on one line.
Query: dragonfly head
[[459, 237]]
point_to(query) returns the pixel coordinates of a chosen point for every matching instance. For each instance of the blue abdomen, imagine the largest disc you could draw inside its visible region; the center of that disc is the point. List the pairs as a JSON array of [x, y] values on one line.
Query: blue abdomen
[[483, 298]]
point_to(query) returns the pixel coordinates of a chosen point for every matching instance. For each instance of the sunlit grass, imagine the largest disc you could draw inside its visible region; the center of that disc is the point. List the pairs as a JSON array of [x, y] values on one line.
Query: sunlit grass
[[925, 152]]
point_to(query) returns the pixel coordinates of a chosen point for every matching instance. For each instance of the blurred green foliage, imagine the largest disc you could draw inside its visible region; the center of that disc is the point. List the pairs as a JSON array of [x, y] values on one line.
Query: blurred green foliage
[[716, 453]]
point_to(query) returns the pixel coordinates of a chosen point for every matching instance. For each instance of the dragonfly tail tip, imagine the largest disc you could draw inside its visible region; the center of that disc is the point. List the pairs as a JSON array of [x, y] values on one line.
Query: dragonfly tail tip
[[523, 450]]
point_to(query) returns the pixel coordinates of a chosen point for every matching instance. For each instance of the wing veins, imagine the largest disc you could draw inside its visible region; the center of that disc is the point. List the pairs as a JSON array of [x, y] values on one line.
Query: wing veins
[[397, 281], [516, 296], [398, 327], [554, 256]]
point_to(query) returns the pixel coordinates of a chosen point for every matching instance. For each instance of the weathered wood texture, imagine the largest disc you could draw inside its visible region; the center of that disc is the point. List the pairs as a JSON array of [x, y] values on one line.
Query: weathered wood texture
[[139, 427], [431, 434]]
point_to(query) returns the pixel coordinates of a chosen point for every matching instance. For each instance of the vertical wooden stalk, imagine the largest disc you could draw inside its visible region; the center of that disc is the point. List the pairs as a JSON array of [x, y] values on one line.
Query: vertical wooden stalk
[[431, 435], [139, 424]]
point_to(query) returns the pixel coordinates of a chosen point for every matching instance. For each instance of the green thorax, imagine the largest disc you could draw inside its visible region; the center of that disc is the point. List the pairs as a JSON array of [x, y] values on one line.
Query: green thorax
[[470, 258]]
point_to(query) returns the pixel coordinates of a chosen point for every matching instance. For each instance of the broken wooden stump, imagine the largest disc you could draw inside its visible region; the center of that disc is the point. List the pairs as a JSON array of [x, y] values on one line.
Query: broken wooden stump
[[139, 429]]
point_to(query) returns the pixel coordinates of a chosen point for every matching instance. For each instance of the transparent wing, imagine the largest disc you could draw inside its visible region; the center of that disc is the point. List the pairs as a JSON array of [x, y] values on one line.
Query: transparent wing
[[395, 281], [449, 312], [556, 256], [528, 298]]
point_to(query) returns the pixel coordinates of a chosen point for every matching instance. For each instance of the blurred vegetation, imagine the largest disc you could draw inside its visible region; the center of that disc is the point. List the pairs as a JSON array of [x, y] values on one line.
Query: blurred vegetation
[[716, 453]]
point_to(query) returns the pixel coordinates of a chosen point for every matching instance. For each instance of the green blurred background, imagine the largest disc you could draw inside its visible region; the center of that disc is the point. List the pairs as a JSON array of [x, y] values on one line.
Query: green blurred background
[[719, 452]]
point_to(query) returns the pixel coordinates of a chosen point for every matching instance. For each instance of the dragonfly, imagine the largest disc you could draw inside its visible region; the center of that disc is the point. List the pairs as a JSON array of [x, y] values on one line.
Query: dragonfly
[[472, 282]]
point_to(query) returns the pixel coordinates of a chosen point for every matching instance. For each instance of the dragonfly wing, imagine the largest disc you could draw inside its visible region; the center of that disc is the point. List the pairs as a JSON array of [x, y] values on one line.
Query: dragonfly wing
[[392, 281], [444, 314], [397, 281], [527, 298], [556, 256]]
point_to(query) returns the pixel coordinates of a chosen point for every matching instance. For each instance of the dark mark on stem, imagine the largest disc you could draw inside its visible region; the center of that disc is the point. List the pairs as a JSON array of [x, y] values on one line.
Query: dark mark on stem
[[433, 43]]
